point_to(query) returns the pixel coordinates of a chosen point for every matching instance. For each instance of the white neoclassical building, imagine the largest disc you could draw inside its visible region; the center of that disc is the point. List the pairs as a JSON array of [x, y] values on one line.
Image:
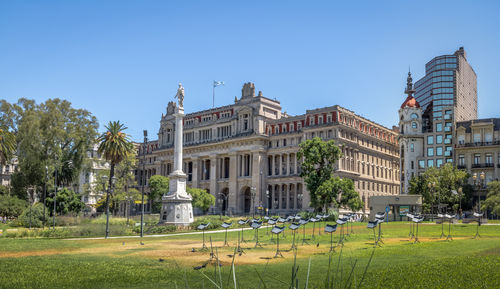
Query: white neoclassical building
[[245, 153]]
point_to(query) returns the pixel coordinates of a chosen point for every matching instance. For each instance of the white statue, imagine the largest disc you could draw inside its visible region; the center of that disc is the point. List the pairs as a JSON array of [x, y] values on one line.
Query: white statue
[[180, 95]]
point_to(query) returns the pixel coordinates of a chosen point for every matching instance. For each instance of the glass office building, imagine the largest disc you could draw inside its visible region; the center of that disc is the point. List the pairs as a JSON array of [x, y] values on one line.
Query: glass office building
[[449, 81], [447, 94]]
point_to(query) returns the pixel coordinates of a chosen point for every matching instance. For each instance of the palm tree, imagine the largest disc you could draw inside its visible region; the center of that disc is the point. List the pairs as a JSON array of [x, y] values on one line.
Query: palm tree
[[114, 145], [7, 145]]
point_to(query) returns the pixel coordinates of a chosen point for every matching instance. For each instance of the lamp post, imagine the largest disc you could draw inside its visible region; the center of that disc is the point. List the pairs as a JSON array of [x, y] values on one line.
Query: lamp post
[[253, 192], [144, 148], [478, 184], [460, 190], [222, 198], [268, 197], [45, 193], [431, 187]]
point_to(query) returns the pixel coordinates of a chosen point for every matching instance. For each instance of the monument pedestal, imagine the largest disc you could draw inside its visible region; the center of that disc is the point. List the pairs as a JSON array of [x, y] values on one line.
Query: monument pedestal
[[176, 206]]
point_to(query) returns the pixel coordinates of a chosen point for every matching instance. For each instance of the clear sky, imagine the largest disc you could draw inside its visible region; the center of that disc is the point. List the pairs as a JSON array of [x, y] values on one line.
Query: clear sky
[[122, 60]]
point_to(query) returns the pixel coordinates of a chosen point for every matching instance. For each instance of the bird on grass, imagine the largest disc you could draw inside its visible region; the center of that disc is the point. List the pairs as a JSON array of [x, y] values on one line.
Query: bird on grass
[[142, 243], [230, 256], [317, 245], [123, 243], [193, 250], [161, 259]]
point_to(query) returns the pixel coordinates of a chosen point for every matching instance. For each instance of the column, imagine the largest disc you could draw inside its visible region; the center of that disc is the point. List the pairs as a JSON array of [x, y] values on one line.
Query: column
[[295, 165], [272, 165], [287, 164], [213, 175], [256, 168], [233, 181]]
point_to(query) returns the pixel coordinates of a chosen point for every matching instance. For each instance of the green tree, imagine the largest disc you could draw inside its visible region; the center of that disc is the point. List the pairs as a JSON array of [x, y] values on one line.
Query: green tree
[[125, 183], [158, 185], [11, 206], [201, 198], [318, 165], [114, 145], [441, 185], [338, 192], [67, 202], [7, 145], [52, 134], [350, 197], [492, 202]]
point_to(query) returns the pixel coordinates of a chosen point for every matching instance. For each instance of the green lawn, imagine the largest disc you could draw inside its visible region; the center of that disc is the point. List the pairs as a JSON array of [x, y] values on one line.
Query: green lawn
[[433, 263]]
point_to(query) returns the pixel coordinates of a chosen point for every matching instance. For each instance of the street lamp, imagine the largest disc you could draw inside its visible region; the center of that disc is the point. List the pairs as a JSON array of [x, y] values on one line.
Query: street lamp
[[268, 197], [222, 198], [431, 187], [45, 193], [300, 196], [253, 192], [144, 148], [479, 185]]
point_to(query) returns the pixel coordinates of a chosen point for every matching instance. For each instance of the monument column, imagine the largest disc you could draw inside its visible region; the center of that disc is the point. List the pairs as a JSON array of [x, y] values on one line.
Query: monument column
[[176, 205]]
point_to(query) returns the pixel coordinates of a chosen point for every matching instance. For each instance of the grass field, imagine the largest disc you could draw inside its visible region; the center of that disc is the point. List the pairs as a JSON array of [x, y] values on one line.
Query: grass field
[[119, 263]]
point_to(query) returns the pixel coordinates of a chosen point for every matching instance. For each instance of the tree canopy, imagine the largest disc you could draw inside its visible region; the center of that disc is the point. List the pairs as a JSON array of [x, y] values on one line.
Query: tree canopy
[[318, 165], [441, 185], [492, 201], [52, 134], [67, 202]]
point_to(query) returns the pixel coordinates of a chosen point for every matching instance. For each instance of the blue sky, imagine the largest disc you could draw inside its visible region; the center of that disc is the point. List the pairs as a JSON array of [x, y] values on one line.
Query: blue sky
[[122, 60]]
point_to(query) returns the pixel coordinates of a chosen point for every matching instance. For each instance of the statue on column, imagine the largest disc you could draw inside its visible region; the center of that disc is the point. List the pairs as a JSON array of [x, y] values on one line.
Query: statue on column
[[180, 95]]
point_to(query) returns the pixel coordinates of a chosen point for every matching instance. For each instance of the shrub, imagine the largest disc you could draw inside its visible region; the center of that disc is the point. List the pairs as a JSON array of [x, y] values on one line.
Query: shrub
[[37, 217], [215, 221]]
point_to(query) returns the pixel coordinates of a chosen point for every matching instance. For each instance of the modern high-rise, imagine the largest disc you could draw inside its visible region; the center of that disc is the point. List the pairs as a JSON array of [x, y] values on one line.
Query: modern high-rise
[[449, 81], [446, 95]]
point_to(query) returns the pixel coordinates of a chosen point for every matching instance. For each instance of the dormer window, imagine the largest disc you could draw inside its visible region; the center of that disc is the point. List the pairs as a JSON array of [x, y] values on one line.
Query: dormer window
[[320, 120], [329, 118], [414, 116]]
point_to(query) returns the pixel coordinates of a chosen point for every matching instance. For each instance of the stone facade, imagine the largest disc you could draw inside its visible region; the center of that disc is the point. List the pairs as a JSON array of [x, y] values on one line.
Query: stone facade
[[245, 153], [478, 151]]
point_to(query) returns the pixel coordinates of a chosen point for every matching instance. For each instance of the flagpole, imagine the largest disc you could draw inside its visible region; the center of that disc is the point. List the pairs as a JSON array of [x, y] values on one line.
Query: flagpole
[[213, 95]]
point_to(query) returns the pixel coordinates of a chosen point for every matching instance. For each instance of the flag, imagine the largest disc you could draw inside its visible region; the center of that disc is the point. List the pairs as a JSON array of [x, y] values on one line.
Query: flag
[[218, 83]]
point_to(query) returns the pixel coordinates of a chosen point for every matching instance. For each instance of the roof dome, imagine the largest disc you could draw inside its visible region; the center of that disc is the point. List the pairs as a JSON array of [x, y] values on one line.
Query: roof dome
[[410, 102]]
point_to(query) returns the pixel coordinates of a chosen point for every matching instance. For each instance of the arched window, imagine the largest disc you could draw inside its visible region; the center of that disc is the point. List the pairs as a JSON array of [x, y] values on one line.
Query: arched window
[[414, 116], [414, 125]]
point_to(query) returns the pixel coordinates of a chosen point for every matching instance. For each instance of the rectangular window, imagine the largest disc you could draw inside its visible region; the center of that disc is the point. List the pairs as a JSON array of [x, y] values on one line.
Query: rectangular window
[[430, 152], [430, 163], [489, 159], [439, 162], [412, 165], [439, 127], [461, 160], [477, 159], [449, 160], [477, 137], [421, 164], [430, 139], [488, 137], [439, 151], [439, 139]]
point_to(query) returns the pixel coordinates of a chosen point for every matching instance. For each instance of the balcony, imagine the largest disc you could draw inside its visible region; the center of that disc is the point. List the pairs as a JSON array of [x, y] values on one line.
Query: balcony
[[483, 165], [478, 144], [461, 167]]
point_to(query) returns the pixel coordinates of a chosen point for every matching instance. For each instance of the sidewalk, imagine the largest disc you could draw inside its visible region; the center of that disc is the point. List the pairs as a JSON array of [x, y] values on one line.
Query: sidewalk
[[165, 235]]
